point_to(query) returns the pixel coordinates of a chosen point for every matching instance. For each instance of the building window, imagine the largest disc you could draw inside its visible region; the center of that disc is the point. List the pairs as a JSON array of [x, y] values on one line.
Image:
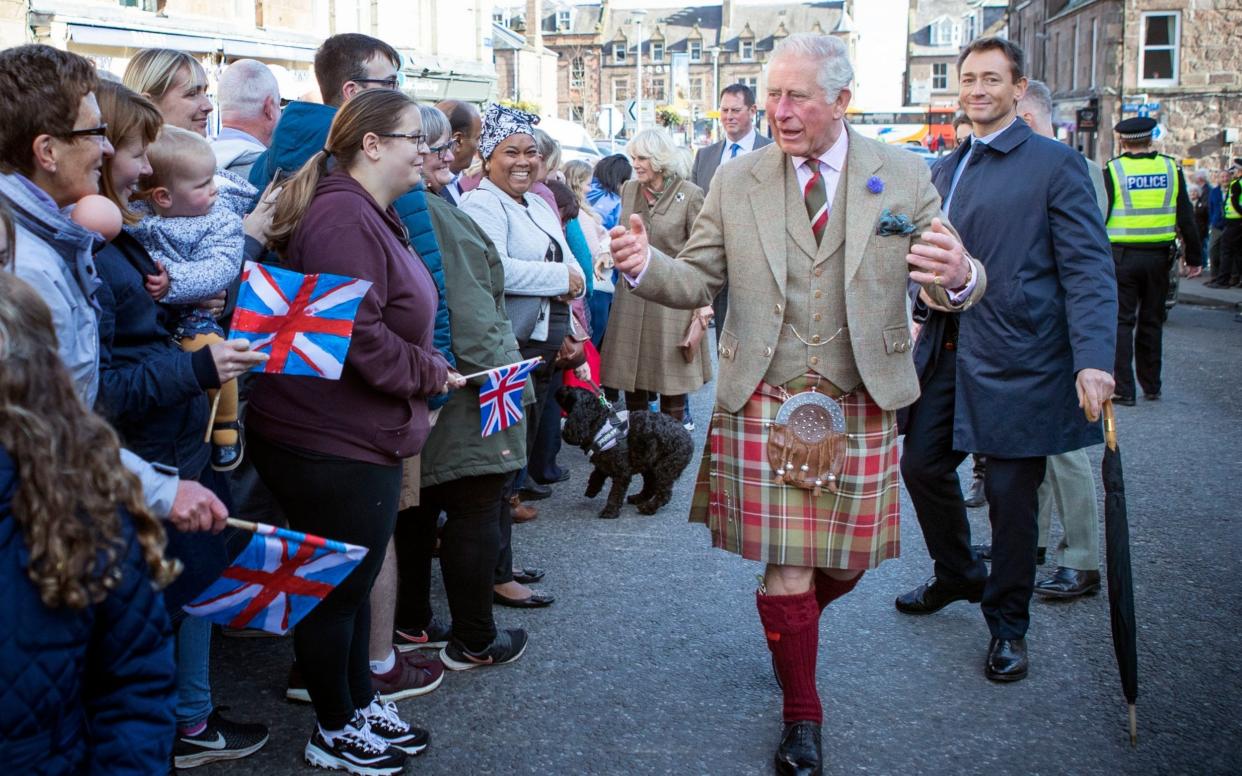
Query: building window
[[968, 27], [696, 89], [748, 50], [576, 113], [618, 53], [696, 51], [562, 20], [940, 76], [498, 16], [1095, 39], [657, 51], [942, 32], [657, 89], [752, 82], [577, 72], [620, 89], [1158, 53]]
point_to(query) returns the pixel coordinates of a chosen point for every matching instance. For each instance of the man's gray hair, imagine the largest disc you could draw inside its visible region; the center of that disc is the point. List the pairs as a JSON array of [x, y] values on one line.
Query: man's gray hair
[[835, 71], [435, 123], [1038, 98], [244, 86]]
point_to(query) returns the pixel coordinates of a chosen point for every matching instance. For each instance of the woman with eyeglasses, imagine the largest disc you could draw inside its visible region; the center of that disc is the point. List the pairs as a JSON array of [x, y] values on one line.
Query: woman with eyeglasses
[[331, 450]]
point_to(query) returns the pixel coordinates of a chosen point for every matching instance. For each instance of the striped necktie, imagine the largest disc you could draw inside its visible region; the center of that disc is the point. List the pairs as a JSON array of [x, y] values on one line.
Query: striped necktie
[[816, 195], [735, 148]]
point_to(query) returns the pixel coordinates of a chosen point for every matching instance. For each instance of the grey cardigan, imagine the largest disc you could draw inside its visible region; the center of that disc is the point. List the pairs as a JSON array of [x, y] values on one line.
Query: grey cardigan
[[521, 235]]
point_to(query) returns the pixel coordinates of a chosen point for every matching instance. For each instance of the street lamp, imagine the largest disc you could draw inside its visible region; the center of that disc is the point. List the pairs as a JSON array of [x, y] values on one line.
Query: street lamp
[[715, 52], [636, 16]]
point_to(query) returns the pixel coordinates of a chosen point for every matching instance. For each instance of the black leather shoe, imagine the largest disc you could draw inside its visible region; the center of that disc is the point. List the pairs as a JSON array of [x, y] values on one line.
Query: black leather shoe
[[934, 595], [800, 750], [1152, 396], [562, 477], [1122, 400], [1006, 660], [533, 491], [1068, 583], [976, 498]]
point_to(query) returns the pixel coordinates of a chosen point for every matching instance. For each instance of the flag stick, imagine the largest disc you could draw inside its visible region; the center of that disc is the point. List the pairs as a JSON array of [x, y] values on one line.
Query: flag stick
[[245, 525], [211, 419], [502, 366]]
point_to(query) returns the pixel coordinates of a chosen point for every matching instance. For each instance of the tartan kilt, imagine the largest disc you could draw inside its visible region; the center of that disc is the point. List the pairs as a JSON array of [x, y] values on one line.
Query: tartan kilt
[[750, 514]]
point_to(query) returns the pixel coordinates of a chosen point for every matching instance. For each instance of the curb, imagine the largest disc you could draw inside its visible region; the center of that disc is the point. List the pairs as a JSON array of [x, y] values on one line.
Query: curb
[[1198, 300]]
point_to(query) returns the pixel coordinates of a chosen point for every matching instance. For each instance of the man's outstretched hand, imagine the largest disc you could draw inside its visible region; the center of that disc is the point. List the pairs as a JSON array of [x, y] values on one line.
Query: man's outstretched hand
[[630, 249]]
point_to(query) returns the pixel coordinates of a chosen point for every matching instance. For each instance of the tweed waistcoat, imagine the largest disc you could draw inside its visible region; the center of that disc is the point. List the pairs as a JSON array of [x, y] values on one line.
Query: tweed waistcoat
[[814, 299]]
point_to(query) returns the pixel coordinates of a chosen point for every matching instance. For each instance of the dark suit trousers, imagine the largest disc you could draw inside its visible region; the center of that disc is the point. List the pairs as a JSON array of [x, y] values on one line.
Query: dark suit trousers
[[929, 467], [1142, 285]]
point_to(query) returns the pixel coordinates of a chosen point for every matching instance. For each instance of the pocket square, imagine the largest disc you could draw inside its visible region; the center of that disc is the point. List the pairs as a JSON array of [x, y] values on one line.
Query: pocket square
[[891, 224]]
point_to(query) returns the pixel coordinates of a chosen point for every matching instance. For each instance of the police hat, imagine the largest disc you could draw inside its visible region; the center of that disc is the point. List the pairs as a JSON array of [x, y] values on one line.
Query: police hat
[[1236, 164], [1135, 128]]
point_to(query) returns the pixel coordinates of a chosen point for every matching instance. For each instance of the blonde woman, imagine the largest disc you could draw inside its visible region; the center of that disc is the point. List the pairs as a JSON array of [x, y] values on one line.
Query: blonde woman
[[176, 83], [578, 174], [641, 353]]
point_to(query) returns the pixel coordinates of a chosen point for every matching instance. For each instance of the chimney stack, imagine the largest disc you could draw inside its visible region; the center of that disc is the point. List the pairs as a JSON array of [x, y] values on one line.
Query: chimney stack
[[534, 24]]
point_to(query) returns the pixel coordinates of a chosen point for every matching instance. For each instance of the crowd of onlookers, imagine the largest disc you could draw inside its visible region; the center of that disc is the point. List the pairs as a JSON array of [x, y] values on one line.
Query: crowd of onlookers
[[1210, 192], [131, 425]]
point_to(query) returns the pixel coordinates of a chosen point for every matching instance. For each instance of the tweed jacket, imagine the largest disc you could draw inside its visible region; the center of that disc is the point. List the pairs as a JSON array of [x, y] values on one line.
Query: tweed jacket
[[742, 236], [640, 349]]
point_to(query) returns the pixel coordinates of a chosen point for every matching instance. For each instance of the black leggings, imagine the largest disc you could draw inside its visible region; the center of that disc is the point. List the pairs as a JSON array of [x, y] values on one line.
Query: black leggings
[[353, 502], [468, 548]]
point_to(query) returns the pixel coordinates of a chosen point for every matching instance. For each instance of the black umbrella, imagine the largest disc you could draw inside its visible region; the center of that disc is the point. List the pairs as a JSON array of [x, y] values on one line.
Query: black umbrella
[[1120, 580]]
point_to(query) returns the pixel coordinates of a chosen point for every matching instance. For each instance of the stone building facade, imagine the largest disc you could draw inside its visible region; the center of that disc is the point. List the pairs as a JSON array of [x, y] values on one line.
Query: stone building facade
[[1176, 60], [937, 31]]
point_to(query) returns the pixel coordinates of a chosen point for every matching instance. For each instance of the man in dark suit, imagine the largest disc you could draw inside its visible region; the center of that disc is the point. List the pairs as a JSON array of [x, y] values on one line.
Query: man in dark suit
[[1011, 377], [737, 116]]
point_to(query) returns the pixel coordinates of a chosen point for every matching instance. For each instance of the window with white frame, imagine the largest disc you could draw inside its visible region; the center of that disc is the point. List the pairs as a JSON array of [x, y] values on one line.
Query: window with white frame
[[618, 53], [562, 20], [696, 51], [620, 89], [969, 30], [751, 81], [940, 76], [696, 88], [748, 50], [577, 72], [657, 89], [942, 32], [1158, 52], [1095, 41], [657, 51]]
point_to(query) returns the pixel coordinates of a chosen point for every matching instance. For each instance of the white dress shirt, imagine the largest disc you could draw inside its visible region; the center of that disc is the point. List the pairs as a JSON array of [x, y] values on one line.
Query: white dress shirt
[[745, 145]]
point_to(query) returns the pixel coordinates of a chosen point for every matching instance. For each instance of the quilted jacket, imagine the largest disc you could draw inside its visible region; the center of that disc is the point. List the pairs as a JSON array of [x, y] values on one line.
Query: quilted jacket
[[81, 691]]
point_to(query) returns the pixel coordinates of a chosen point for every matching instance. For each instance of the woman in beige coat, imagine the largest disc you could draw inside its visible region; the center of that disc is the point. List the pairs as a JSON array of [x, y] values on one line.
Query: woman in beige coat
[[641, 352]]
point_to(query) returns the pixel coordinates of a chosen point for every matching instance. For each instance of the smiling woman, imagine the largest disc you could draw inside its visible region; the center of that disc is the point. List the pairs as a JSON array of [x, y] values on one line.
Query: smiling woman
[[176, 83]]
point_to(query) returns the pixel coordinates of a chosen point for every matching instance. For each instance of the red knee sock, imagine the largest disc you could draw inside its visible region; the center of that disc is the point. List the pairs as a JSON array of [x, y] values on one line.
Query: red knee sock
[[829, 589], [791, 624]]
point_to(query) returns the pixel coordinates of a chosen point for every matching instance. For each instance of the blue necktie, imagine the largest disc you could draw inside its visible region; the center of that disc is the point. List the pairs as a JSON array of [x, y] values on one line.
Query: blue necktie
[[735, 148]]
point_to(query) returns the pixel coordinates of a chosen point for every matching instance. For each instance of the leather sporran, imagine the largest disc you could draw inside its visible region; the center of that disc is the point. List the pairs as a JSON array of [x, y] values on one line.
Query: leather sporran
[[695, 331], [806, 443]]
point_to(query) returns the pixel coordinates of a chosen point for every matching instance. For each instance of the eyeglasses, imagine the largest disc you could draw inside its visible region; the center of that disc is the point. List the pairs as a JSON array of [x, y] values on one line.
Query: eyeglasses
[[444, 149], [387, 83], [100, 132], [417, 138]]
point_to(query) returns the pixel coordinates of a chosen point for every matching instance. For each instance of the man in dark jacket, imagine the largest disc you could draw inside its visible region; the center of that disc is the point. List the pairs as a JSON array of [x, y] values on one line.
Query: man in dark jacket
[[1013, 374]]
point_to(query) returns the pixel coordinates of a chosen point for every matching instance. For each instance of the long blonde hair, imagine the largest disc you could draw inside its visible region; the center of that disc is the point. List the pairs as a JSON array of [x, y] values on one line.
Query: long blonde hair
[[68, 461], [153, 71], [578, 172], [374, 110]]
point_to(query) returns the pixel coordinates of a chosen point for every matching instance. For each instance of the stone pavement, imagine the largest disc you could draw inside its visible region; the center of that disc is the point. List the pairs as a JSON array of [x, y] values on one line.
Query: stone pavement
[[652, 659]]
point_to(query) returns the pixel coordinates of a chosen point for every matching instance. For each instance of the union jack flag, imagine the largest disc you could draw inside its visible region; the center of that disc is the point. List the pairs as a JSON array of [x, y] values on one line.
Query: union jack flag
[[500, 398], [303, 322], [276, 580]]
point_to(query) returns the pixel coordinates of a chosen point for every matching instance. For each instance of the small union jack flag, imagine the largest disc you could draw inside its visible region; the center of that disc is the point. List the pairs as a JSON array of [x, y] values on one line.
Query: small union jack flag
[[276, 580], [303, 322], [500, 398]]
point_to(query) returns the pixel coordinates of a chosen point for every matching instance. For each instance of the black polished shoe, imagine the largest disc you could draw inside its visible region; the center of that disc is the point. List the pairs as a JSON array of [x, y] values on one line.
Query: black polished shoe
[[1122, 400], [934, 595], [533, 491], [1068, 583], [800, 752], [1152, 396], [976, 498], [1006, 660], [562, 477]]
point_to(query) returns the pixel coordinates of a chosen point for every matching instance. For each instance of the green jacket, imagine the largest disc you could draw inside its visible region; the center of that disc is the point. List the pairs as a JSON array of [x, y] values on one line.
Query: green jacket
[[474, 284]]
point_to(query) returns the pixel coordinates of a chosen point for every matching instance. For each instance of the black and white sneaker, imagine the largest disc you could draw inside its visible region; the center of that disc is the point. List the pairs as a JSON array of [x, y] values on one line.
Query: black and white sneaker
[[355, 750], [434, 636], [221, 739], [508, 646], [387, 724]]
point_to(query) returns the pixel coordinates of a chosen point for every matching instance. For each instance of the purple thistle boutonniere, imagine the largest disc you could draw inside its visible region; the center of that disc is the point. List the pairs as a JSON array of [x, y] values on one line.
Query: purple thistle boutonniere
[[875, 185]]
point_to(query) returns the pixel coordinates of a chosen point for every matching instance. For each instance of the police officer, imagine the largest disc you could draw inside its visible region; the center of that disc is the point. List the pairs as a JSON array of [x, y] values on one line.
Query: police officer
[[1148, 206], [1230, 271]]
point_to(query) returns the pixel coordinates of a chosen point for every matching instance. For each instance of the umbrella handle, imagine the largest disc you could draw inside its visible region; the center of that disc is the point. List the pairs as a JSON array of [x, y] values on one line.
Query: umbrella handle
[[1110, 425]]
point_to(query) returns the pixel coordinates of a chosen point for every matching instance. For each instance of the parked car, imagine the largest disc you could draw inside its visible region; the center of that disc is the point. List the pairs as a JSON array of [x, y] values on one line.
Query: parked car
[[576, 142], [611, 145]]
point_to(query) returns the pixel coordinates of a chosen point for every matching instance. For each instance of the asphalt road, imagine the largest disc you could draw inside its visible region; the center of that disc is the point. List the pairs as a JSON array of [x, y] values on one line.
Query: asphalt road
[[652, 660]]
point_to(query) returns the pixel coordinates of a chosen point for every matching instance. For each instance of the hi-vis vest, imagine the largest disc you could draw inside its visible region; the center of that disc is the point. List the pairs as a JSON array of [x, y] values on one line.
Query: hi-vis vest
[[1231, 214], [1144, 200]]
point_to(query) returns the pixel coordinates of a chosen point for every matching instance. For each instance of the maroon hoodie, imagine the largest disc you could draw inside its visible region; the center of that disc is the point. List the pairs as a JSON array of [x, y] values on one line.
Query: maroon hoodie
[[377, 411]]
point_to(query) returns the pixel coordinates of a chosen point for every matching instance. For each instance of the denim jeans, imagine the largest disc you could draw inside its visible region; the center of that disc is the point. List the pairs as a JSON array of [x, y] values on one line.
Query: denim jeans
[[193, 665]]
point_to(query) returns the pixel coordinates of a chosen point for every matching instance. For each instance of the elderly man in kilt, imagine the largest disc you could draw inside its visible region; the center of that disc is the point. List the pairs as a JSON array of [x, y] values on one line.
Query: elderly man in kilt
[[818, 236]]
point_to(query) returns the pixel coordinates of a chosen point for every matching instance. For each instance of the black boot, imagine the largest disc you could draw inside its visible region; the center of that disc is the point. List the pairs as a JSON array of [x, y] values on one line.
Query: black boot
[[800, 750]]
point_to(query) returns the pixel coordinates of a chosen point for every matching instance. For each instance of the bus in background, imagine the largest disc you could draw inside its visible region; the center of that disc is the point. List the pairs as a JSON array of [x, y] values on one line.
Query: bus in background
[[931, 128]]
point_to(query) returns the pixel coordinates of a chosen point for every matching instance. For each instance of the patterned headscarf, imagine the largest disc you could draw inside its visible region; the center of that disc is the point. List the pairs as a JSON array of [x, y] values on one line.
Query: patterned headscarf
[[500, 122]]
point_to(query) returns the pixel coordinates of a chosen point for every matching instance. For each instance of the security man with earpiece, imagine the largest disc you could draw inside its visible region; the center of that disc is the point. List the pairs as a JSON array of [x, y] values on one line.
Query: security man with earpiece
[[1148, 208]]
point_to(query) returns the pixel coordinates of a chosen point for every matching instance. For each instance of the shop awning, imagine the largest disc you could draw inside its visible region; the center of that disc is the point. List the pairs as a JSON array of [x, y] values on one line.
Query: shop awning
[[91, 35]]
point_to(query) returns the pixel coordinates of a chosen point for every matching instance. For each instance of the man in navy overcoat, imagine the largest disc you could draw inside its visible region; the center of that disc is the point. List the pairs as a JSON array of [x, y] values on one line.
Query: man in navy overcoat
[[1013, 377]]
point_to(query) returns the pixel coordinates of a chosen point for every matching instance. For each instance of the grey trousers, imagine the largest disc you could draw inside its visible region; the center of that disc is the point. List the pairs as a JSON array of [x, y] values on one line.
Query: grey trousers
[[1070, 484]]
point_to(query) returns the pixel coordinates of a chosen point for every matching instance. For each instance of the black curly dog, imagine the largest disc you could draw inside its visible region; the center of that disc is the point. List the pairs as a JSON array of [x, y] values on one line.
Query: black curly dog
[[656, 446]]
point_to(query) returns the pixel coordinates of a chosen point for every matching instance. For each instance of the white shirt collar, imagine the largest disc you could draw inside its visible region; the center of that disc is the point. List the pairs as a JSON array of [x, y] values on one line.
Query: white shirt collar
[[996, 134], [834, 157], [747, 143]]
